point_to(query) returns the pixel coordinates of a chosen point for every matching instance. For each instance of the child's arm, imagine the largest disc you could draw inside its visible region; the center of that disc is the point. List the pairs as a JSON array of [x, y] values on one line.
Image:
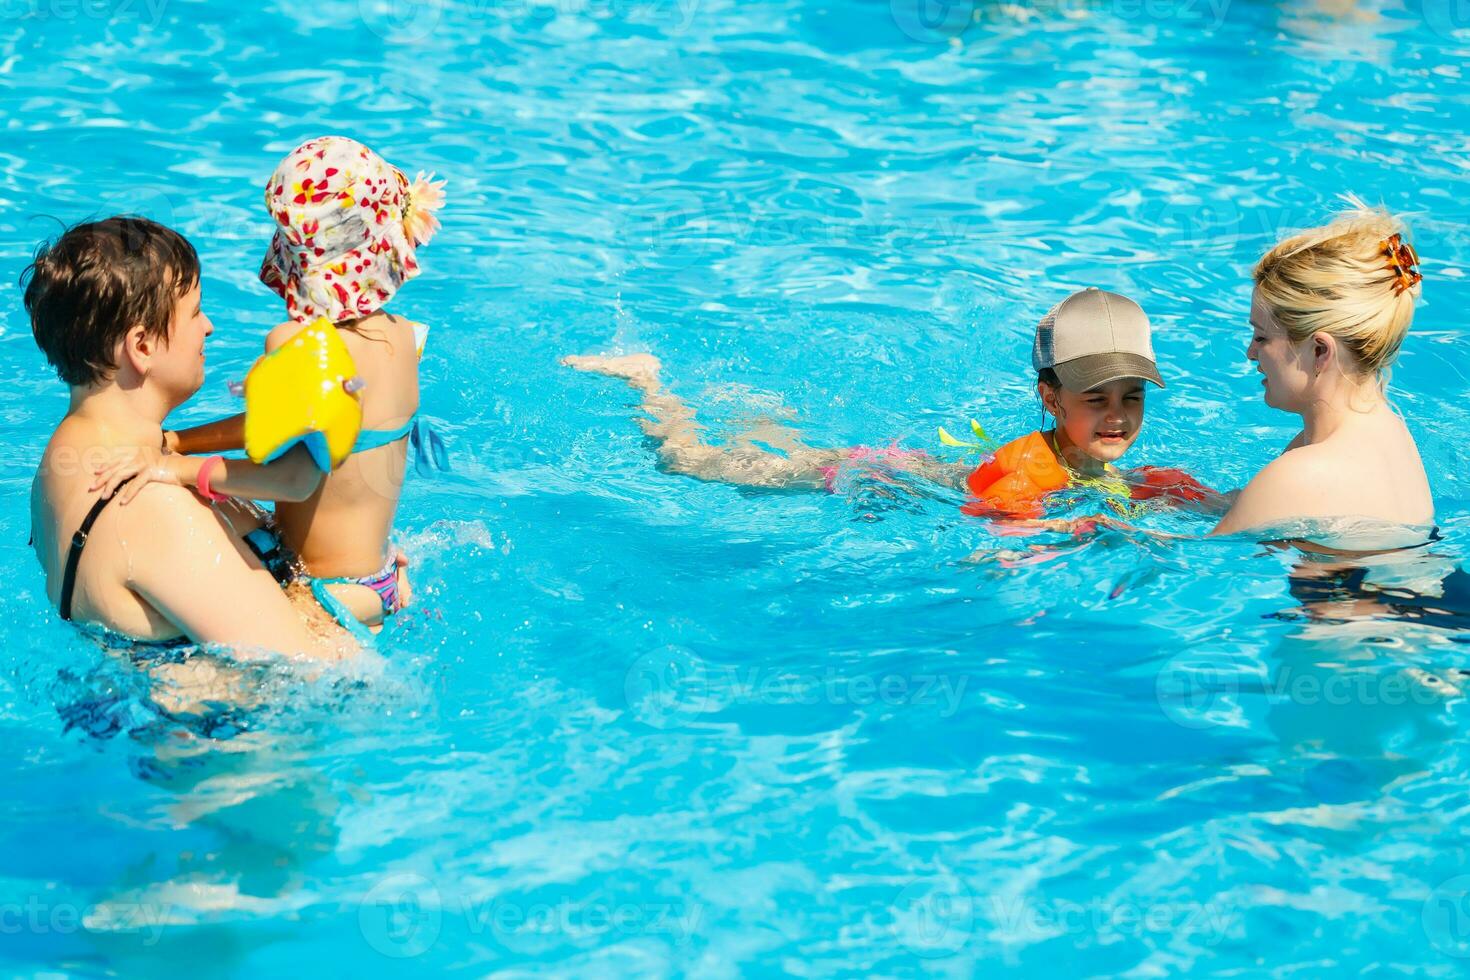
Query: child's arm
[[293, 477], [225, 434], [1177, 488], [211, 437]]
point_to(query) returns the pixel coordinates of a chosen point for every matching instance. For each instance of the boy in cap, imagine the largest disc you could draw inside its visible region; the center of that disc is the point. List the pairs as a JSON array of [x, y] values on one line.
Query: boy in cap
[[1093, 355]]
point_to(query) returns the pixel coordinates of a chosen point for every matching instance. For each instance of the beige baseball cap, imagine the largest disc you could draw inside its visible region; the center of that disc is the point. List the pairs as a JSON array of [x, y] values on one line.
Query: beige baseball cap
[[1093, 337]]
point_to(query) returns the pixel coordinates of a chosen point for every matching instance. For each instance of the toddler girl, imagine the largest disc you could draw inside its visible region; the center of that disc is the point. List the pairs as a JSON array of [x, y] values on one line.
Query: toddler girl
[[348, 226]]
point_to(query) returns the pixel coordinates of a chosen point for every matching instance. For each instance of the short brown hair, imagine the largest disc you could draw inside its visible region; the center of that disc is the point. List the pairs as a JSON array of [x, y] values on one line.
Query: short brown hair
[[85, 290]]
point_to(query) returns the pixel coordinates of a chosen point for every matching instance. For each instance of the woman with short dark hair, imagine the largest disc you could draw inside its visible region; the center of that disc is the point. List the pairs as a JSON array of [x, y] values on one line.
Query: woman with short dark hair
[[116, 307]]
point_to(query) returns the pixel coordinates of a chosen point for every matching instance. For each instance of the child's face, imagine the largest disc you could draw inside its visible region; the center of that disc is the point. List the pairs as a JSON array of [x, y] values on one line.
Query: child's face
[[1102, 422]]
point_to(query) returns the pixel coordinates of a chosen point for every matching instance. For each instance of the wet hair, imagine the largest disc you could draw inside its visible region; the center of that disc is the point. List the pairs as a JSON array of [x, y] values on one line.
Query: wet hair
[[1341, 279], [1048, 377], [89, 287]]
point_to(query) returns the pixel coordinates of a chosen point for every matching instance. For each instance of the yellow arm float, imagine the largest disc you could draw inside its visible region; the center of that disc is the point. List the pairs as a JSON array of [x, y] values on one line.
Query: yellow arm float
[[304, 392]]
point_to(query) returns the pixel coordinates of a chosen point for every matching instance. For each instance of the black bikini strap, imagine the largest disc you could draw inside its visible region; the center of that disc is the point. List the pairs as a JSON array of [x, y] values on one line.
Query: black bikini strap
[[74, 556]]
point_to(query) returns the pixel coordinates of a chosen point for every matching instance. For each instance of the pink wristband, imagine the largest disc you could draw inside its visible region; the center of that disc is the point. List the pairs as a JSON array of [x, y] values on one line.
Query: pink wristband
[[201, 482]]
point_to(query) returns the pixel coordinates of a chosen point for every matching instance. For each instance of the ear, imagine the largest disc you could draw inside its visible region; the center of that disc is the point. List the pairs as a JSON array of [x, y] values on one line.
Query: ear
[[1049, 399], [1323, 351], [136, 350]]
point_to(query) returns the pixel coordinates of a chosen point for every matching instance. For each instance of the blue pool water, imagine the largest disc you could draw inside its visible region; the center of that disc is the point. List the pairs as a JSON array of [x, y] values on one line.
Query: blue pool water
[[641, 725]]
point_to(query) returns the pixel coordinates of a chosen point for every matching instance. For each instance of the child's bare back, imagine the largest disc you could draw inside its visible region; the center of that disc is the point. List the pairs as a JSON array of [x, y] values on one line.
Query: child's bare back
[[343, 529]]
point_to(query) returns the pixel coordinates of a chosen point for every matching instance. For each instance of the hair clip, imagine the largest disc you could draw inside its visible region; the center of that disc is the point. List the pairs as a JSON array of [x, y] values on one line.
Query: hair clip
[[1402, 259]]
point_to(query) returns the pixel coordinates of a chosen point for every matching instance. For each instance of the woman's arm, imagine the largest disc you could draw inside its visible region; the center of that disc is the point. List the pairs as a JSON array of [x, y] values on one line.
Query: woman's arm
[[219, 436], [294, 477], [1281, 492], [184, 562]]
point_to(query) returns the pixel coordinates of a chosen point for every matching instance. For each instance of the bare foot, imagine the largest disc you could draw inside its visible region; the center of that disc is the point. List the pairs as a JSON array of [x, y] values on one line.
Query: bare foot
[[641, 370]]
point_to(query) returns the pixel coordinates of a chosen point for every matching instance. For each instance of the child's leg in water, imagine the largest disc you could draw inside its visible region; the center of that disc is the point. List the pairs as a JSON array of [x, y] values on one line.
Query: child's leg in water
[[677, 434]]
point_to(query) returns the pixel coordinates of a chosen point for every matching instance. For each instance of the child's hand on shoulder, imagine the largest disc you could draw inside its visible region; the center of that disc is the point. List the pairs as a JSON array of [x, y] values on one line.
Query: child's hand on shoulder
[[143, 465]]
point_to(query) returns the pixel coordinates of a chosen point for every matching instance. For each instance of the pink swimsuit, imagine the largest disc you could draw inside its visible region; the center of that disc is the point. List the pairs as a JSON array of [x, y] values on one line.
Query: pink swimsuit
[[870, 454]]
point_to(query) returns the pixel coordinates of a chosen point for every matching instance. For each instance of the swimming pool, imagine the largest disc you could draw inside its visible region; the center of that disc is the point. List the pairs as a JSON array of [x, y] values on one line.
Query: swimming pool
[[643, 725]]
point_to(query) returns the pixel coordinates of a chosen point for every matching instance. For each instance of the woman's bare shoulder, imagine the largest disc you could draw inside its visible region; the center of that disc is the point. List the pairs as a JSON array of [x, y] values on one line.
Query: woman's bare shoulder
[[1288, 487], [74, 446], [1304, 469]]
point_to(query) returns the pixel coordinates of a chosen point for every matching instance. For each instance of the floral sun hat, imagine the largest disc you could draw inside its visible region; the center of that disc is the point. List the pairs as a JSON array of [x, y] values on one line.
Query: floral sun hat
[[347, 226]]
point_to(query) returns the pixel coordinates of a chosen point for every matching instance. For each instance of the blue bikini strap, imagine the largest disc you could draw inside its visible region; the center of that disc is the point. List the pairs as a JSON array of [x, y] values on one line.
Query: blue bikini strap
[[377, 438], [339, 611]]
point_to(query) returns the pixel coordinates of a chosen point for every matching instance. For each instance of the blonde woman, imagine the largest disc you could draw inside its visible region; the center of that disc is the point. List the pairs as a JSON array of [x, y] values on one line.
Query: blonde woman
[[1329, 312]]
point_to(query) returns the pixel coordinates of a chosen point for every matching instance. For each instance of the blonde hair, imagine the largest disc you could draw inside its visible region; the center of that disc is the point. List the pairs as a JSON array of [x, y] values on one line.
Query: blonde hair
[[1349, 278]]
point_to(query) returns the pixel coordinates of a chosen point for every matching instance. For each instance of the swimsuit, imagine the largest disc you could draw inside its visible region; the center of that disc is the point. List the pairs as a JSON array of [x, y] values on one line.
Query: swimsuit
[[384, 582], [428, 453], [266, 544], [369, 439], [262, 541], [870, 454], [74, 554], [281, 564]]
